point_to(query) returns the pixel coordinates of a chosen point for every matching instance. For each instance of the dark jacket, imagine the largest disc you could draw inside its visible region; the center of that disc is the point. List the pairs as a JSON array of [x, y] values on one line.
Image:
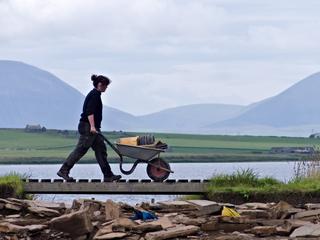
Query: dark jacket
[[92, 105]]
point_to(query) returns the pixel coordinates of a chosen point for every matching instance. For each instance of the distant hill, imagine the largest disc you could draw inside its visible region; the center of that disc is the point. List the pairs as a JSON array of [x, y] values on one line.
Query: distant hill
[[299, 105], [189, 118], [31, 95]]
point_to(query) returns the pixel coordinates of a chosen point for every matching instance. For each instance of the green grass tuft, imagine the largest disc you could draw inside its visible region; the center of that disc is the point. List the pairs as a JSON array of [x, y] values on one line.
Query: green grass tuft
[[246, 182], [242, 178], [13, 181]]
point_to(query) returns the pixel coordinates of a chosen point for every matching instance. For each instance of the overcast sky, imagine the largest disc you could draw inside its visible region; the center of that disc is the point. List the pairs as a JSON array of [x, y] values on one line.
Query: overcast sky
[[166, 53]]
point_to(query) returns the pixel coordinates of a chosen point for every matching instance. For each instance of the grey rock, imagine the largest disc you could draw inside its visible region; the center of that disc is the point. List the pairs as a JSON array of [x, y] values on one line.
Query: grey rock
[[112, 210], [76, 223], [205, 207], [179, 231], [43, 212], [311, 230]]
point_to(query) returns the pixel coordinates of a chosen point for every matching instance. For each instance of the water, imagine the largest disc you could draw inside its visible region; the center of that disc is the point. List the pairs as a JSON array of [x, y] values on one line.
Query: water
[[280, 170]]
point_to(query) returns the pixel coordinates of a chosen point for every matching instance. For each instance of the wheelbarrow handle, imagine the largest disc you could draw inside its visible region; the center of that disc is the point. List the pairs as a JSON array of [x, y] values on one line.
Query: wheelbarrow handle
[[121, 157], [111, 145]]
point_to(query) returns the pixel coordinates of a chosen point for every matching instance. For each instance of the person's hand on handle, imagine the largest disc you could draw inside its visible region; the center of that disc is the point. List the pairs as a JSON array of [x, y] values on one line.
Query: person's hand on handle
[[93, 130]]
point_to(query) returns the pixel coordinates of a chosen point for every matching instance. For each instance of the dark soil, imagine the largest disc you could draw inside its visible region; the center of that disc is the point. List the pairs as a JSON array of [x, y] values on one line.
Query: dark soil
[[7, 191], [293, 198]]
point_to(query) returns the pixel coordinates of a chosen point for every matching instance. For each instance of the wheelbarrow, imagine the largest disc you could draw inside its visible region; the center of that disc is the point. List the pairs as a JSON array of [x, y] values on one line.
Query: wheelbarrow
[[157, 169]]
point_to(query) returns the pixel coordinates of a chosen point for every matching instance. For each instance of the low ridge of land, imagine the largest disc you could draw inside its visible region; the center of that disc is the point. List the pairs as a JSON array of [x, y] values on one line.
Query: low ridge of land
[[53, 146]]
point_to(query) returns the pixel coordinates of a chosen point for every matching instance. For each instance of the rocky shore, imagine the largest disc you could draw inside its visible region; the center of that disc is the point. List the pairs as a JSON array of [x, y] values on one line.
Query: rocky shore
[[194, 219]]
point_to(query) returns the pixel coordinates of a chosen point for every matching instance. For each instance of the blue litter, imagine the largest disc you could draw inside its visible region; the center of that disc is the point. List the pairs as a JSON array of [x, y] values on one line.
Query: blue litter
[[143, 215]]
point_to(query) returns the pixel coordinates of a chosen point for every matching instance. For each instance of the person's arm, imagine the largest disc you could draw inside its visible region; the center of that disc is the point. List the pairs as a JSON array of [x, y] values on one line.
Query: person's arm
[[90, 109], [91, 121]]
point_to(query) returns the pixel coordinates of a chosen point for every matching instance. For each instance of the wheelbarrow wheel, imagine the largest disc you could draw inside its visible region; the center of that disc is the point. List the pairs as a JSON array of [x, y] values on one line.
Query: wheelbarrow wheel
[[155, 173]]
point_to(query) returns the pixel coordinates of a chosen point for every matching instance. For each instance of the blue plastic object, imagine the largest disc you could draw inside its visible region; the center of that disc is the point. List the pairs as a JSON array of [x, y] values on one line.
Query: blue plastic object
[[143, 215]]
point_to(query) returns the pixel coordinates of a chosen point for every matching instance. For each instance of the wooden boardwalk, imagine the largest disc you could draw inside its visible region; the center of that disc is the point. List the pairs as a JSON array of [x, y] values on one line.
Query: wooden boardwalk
[[132, 186]]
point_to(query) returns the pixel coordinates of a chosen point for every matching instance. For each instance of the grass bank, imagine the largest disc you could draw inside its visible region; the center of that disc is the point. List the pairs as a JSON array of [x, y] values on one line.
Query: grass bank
[[11, 185], [245, 186]]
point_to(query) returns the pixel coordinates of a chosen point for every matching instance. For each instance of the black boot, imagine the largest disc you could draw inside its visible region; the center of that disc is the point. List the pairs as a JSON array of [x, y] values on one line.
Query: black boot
[[112, 178], [64, 173]]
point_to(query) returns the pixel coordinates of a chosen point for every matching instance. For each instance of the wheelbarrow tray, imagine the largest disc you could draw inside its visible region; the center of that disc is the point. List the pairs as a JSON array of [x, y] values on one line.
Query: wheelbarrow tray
[[138, 152]]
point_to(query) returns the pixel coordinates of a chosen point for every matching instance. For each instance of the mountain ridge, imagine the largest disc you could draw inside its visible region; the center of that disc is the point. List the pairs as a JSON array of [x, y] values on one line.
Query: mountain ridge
[[295, 106], [30, 95]]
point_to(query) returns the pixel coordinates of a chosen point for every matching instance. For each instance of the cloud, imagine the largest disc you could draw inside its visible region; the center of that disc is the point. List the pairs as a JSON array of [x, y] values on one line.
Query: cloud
[[116, 25], [170, 52], [223, 82]]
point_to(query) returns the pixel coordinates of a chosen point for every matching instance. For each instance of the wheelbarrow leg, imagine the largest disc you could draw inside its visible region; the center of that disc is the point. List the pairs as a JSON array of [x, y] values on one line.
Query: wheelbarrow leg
[[132, 168]]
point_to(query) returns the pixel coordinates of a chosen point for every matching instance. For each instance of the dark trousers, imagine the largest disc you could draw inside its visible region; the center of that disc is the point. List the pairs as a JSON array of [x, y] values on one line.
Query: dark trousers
[[87, 140]]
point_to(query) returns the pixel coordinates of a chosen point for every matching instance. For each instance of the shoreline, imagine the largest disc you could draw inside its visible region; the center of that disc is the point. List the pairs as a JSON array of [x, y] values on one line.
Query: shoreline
[[10, 162]]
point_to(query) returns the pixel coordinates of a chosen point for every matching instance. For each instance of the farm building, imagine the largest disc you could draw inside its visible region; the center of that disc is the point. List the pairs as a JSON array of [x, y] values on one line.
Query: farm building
[[34, 128], [305, 150], [315, 135]]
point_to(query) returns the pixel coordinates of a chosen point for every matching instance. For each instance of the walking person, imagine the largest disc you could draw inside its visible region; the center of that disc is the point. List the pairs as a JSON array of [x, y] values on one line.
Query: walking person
[[89, 129]]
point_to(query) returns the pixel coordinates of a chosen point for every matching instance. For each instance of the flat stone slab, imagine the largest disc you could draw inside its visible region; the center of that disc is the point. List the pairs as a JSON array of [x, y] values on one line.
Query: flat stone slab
[[205, 207], [296, 223], [112, 210], [38, 203], [263, 231], [182, 219], [202, 203], [165, 222], [256, 205], [179, 231], [44, 212], [115, 235], [312, 206], [6, 227], [311, 230], [306, 214], [76, 223], [177, 206], [254, 213]]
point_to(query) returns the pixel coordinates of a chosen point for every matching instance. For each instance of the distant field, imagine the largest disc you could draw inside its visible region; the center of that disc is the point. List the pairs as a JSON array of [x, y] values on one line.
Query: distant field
[[17, 146]]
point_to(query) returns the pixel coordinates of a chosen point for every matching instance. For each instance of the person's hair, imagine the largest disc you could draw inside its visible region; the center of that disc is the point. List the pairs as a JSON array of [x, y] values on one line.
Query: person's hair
[[99, 78]]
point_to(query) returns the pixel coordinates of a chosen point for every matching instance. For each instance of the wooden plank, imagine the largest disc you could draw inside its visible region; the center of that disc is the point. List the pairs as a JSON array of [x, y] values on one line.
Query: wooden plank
[[115, 187]]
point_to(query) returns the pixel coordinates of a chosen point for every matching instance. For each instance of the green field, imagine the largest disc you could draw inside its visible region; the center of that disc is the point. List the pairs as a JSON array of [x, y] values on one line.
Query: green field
[[17, 146]]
